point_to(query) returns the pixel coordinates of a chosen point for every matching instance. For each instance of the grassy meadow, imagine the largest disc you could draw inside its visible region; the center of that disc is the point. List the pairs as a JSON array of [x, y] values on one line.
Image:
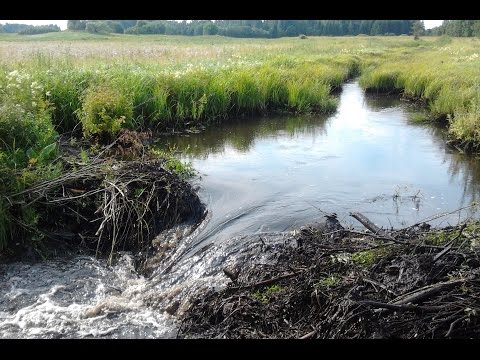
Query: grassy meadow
[[93, 86]]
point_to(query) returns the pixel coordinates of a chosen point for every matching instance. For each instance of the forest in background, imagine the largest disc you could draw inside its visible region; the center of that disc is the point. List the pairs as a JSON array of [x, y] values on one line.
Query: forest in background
[[257, 28]]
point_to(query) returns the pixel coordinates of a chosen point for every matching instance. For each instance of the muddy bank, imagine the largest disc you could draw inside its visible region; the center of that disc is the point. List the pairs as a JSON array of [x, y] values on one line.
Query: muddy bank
[[328, 281]]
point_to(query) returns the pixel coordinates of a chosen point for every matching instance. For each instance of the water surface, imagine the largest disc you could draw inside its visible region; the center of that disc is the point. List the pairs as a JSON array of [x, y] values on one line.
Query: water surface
[[278, 173]]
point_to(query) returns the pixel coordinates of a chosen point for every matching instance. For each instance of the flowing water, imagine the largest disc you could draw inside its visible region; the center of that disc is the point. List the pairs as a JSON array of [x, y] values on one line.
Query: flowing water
[[257, 177]]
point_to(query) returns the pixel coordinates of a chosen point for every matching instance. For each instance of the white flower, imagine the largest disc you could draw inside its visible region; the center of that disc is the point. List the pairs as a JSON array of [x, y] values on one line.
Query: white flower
[[13, 74]]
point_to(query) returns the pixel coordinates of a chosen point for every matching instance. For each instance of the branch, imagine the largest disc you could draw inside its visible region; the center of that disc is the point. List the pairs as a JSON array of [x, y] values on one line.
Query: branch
[[424, 292], [406, 307]]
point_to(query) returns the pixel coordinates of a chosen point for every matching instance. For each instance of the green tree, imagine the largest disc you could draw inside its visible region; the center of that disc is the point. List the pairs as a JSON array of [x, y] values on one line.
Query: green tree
[[418, 28], [76, 25], [210, 29], [476, 28], [97, 27]]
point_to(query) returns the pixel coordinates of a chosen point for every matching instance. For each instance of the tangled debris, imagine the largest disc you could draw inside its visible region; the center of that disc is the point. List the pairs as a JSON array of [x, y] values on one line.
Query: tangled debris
[[118, 200], [336, 282]]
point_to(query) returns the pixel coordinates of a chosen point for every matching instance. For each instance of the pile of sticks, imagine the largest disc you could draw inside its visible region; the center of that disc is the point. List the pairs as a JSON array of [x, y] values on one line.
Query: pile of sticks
[[353, 284]]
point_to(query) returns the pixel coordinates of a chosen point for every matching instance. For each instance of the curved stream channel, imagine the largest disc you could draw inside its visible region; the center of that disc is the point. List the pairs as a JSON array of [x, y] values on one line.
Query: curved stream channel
[[257, 176]]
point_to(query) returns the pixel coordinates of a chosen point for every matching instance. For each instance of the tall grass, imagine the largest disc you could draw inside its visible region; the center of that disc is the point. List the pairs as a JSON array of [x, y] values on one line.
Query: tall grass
[[176, 81], [444, 73], [181, 81]]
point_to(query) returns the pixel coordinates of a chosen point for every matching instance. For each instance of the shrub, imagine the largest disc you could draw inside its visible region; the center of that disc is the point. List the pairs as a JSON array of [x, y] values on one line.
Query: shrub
[[105, 111], [27, 135]]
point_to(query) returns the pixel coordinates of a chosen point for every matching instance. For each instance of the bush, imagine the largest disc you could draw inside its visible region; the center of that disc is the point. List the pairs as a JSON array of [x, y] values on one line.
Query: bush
[[105, 111]]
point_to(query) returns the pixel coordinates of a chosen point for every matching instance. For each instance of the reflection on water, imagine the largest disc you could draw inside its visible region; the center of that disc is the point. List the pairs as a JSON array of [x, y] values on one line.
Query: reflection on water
[[240, 135], [271, 174]]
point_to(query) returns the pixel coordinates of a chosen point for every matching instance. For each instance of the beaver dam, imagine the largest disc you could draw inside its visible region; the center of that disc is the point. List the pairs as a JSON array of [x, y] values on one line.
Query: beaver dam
[[332, 282]]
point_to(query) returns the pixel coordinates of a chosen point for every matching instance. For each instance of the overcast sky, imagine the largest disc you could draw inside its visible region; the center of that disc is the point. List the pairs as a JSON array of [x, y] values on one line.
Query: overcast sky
[[63, 23]]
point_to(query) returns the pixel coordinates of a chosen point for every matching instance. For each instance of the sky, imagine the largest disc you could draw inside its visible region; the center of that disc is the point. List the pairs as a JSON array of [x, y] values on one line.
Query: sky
[[63, 23]]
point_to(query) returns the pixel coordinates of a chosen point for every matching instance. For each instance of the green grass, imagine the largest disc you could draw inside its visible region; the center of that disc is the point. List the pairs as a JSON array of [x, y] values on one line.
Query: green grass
[[175, 81], [265, 295], [367, 258]]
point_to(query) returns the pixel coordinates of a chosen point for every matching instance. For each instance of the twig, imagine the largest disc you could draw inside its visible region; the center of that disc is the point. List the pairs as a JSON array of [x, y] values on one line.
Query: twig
[[452, 325], [378, 237], [376, 283], [367, 223], [406, 307], [450, 244], [434, 217], [444, 251], [265, 282], [308, 335], [323, 212]]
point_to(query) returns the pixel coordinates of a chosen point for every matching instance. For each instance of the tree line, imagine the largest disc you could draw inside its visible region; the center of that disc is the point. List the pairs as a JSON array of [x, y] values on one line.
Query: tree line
[[246, 28], [463, 28], [24, 29], [257, 28]]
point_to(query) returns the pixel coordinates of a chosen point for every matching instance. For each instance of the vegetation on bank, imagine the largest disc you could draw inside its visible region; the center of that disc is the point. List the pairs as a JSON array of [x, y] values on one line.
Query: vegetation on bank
[[96, 89], [444, 74]]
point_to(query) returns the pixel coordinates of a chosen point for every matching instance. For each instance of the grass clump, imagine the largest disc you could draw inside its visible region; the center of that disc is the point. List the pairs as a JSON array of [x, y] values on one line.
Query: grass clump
[[265, 295], [466, 123], [367, 258], [328, 282], [183, 169]]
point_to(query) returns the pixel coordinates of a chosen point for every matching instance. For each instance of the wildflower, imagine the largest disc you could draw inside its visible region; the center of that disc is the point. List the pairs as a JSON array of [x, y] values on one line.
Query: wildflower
[[13, 74]]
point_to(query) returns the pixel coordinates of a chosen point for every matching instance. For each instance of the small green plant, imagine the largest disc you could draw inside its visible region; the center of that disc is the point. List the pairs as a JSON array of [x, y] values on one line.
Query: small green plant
[[30, 216], [184, 169], [105, 111], [368, 257], [138, 192], [328, 282], [84, 157], [436, 238], [264, 296]]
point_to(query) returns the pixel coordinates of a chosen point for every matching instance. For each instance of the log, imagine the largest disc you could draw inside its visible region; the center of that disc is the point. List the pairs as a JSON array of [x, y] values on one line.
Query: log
[[367, 223]]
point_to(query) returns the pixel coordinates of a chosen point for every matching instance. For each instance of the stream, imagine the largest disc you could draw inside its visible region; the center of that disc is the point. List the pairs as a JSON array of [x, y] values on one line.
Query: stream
[[260, 178]]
